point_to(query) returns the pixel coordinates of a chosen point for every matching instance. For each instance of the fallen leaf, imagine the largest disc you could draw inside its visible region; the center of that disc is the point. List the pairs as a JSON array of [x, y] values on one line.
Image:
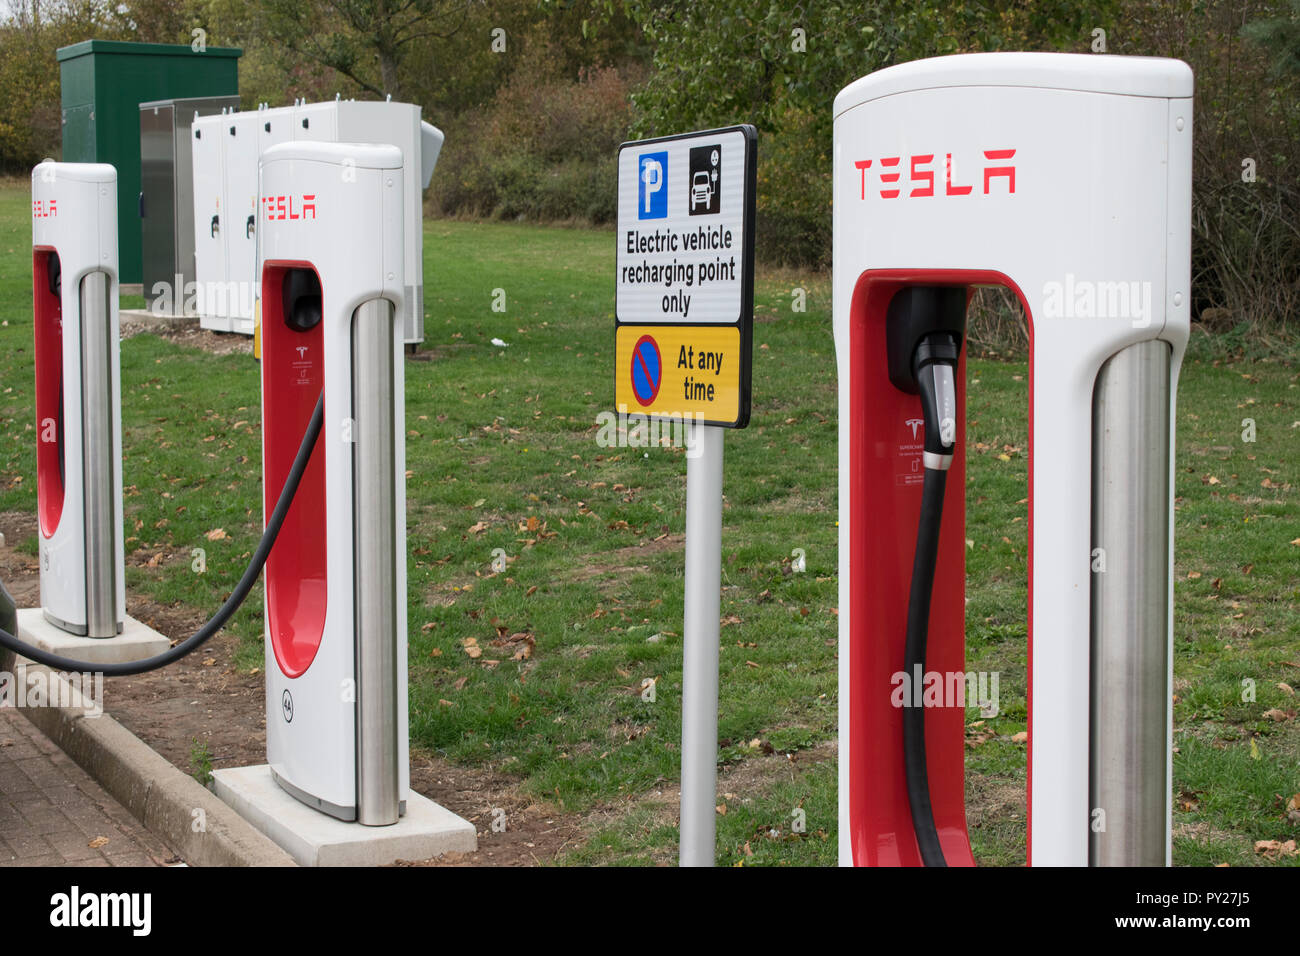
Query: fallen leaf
[[478, 527], [217, 534], [1020, 738], [471, 647], [1275, 849], [96, 843], [1276, 715]]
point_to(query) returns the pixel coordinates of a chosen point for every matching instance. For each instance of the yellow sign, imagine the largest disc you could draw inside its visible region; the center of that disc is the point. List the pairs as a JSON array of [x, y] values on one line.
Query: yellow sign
[[676, 371]]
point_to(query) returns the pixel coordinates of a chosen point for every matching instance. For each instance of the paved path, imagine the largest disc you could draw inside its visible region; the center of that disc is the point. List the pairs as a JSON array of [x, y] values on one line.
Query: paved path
[[51, 811]]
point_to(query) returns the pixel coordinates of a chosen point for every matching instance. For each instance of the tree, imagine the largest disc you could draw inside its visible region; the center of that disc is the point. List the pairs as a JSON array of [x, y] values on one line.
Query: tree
[[1280, 36], [30, 113], [779, 66], [365, 40]]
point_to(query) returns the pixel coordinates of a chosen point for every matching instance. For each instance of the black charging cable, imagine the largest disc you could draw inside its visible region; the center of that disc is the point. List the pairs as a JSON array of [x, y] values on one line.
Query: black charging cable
[[933, 365], [237, 597]]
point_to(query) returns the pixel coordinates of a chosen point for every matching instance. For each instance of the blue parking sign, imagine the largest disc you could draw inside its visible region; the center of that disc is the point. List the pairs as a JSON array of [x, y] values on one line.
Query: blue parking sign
[[652, 186]]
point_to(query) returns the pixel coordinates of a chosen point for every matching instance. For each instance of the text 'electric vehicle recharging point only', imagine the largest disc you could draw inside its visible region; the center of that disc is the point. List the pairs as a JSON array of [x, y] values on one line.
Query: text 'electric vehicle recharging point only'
[[1067, 180]]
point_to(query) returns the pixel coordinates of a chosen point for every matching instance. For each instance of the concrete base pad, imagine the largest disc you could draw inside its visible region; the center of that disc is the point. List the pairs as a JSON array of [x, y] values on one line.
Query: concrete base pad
[[314, 839], [136, 642]]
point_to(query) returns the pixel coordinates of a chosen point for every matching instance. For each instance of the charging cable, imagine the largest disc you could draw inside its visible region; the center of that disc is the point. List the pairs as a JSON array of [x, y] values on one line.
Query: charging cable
[[933, 366], [237, 597]]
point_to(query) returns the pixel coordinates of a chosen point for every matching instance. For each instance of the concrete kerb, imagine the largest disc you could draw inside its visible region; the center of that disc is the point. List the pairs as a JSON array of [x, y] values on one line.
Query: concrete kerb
[[168, 802]]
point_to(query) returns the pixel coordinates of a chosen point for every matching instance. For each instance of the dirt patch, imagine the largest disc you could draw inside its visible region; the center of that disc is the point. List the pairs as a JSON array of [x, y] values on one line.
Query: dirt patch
[[186, 332], [19, 572], [620, 561], [514, 829], [204, 698], [992, 800], [203, 702], [738, 783]]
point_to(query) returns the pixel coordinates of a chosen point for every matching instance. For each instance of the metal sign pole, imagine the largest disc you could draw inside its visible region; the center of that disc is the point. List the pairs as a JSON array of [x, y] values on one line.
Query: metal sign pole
[[700, 648]]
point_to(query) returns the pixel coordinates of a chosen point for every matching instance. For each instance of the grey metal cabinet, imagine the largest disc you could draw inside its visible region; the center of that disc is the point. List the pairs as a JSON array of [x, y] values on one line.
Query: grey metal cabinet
[[166, 202]]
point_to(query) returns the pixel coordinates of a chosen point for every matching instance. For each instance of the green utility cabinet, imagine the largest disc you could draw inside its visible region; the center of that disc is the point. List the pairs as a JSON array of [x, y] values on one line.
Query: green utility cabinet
[[103, 84]]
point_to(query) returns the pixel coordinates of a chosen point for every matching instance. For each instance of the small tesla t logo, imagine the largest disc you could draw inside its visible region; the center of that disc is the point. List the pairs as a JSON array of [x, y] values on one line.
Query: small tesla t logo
[[915, 423], [286, 705], [302, 350]]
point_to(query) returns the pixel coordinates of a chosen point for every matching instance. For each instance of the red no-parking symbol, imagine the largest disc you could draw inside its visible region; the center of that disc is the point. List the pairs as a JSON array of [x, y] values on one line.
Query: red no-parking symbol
[[647, 370]]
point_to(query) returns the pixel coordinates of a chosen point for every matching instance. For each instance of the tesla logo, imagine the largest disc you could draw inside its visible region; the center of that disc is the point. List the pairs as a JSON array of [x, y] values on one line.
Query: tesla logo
[[286, 705], [922, 167], [44, 208], [290, 207], [915, 423], [302, 350]]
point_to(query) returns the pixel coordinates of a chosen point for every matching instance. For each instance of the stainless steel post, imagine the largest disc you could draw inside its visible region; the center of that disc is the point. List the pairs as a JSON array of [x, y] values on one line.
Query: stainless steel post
[[374, 529], [700, 648], [1130, 639], [97, 465]]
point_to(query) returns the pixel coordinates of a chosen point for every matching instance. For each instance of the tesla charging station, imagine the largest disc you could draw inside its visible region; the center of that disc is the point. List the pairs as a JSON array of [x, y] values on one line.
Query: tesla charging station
[[1067, 180], [79, 418], [78, 456], [336, 689]]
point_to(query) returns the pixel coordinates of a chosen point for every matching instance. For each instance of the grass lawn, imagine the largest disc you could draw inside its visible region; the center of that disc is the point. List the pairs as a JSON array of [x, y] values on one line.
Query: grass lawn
[[503, 455]]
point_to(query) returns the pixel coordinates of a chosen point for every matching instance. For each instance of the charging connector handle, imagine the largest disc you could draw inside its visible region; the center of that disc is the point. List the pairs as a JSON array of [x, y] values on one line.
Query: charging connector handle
[[933, 365], [237, 597]]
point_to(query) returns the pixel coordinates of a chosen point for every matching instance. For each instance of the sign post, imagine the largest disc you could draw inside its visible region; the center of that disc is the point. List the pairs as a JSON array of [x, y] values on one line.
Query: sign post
[[684, 307]]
